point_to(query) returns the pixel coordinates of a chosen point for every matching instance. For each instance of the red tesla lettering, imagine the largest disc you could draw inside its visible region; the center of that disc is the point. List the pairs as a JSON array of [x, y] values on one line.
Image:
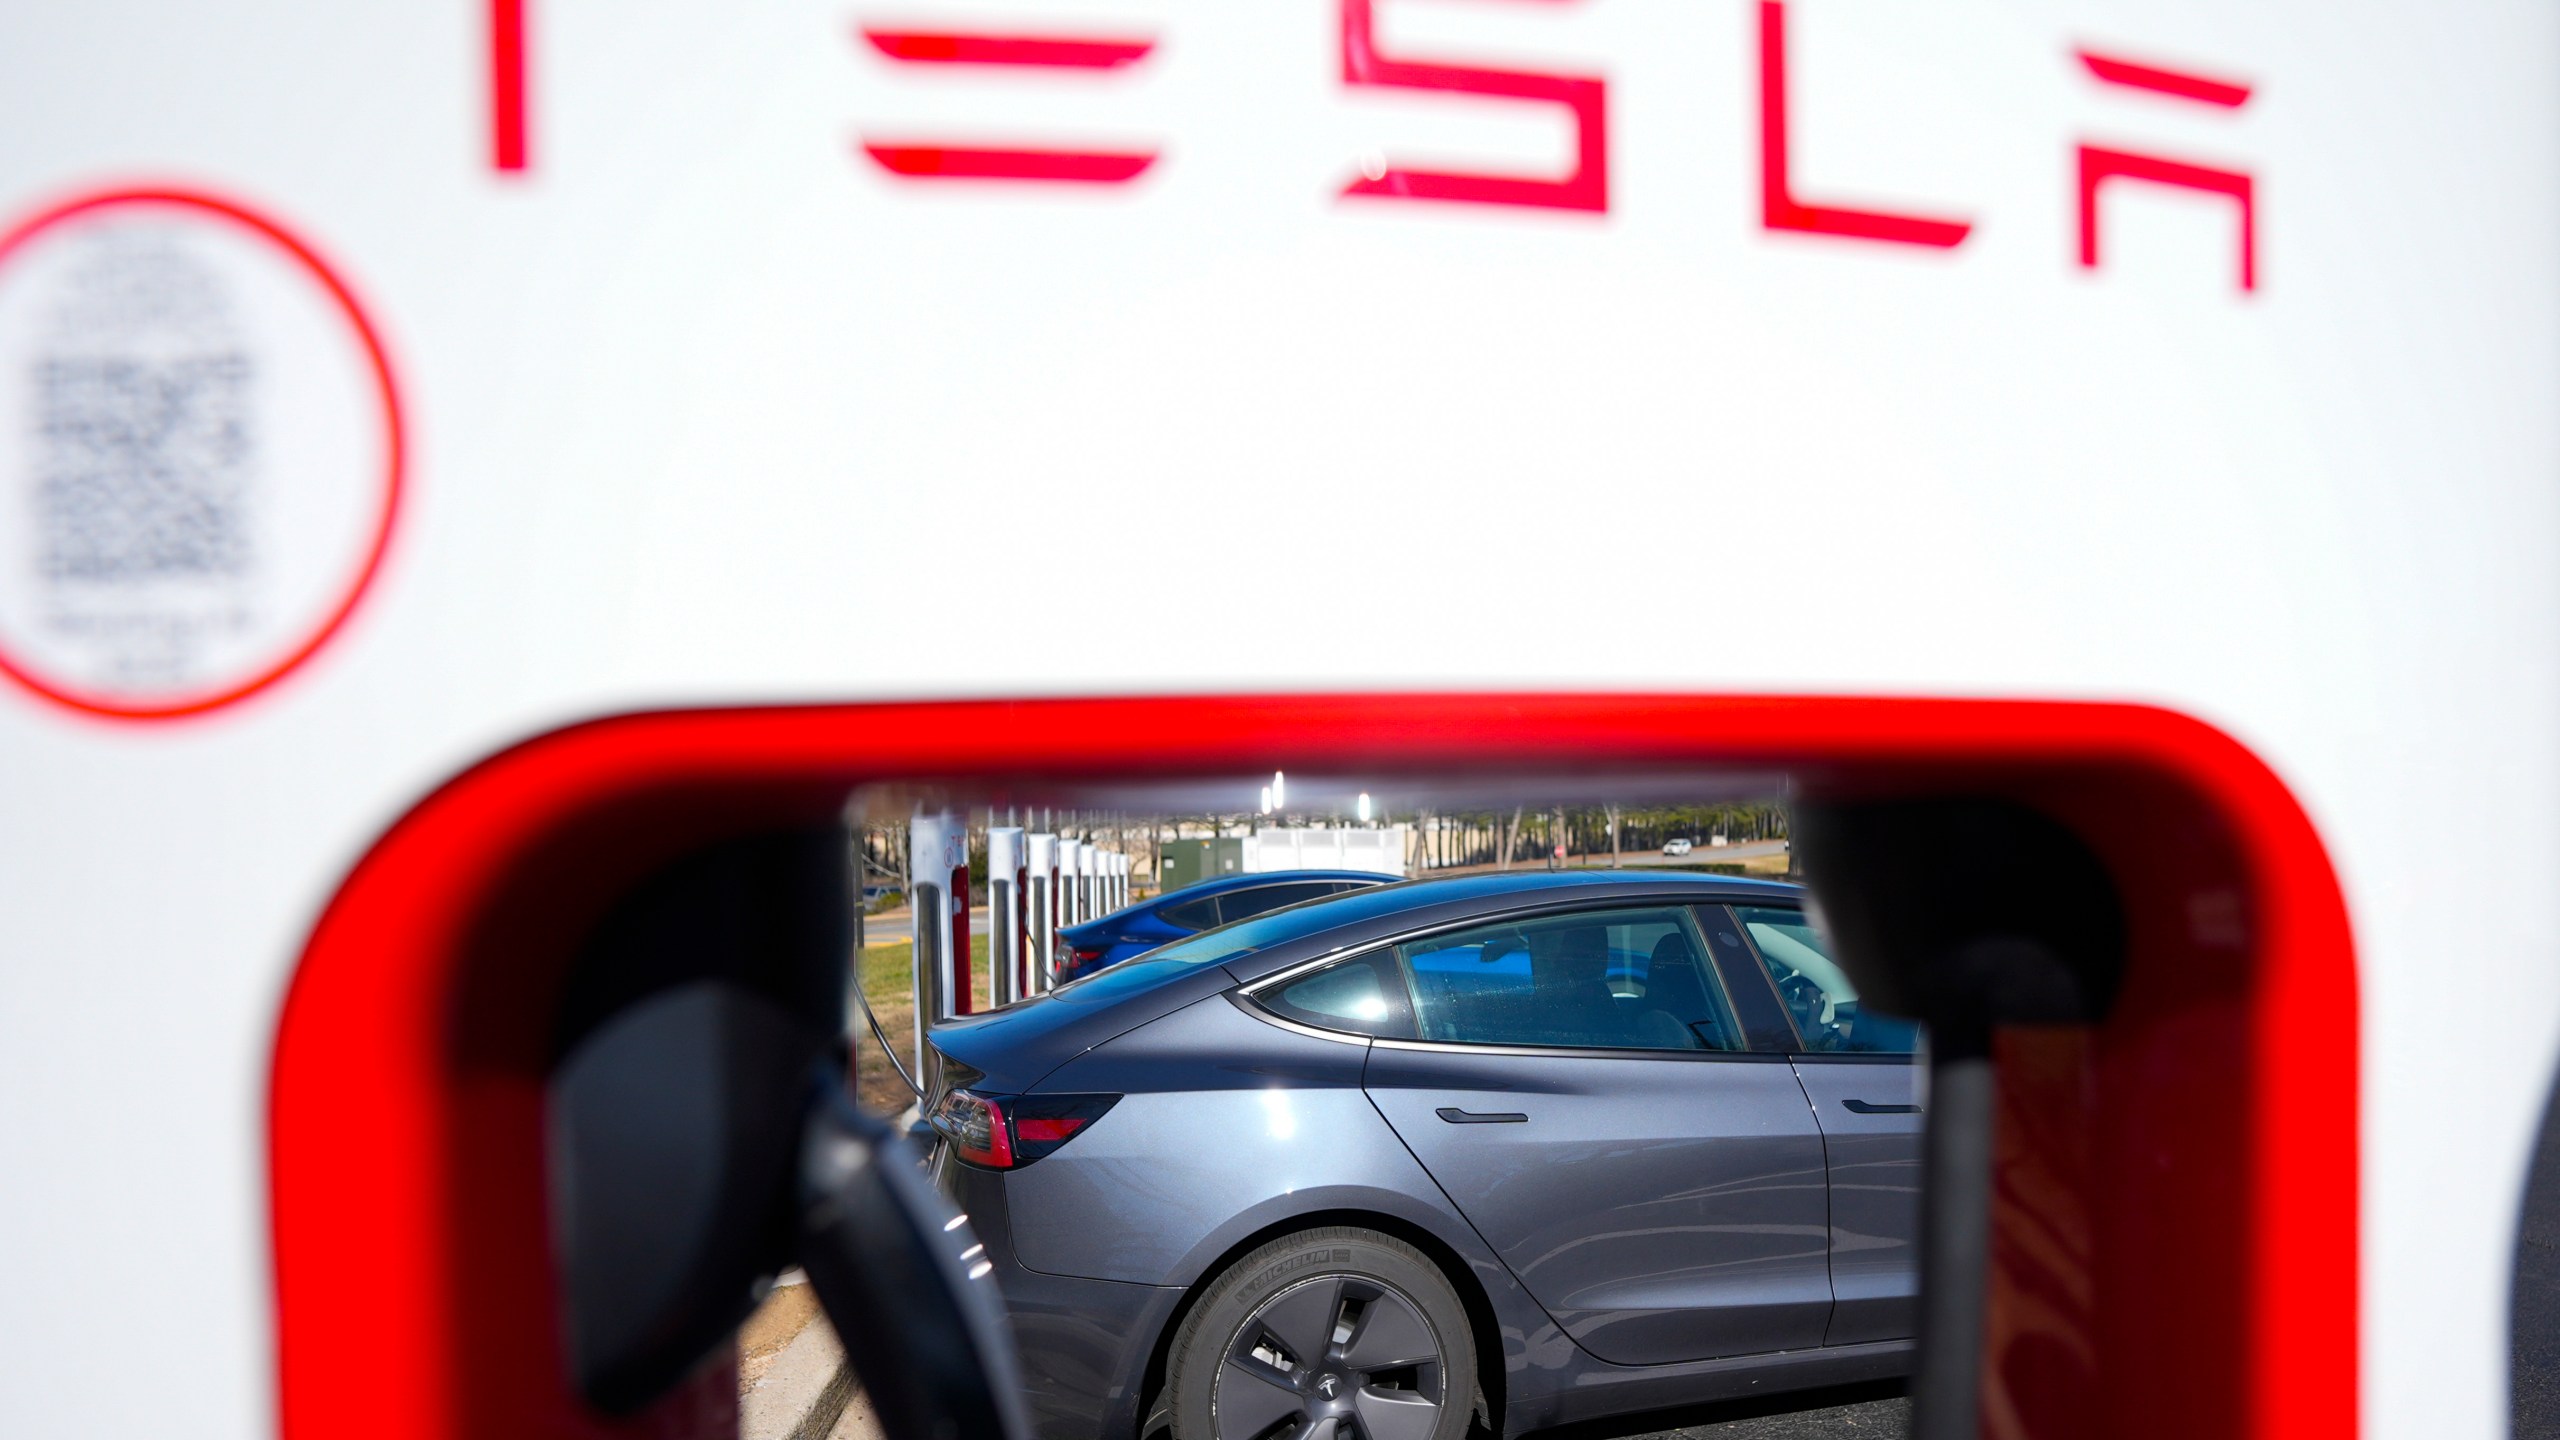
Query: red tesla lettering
[[1779, 207], [932, 160], [506, 85], [936, 48], [2097, 165], [963, 162], [2136, 75], [1586, 188]]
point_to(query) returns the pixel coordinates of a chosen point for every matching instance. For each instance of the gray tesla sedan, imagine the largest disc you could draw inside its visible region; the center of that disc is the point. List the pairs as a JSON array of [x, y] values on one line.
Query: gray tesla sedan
[[1530, 1148]]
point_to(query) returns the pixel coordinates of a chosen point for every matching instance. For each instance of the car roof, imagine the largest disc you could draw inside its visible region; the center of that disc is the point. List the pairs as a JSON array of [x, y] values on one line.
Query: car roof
[[1269, 940], [1425, 894]]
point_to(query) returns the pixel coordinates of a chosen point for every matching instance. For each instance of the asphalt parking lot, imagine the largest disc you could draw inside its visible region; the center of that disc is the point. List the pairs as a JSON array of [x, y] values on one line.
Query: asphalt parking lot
[[1856, 1412], [2535, 1359]]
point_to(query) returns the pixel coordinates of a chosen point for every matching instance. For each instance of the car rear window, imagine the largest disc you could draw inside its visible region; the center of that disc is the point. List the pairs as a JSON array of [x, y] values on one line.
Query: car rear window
[[1209, 947], [1279, 927], [1262, 899], [1227, 942]]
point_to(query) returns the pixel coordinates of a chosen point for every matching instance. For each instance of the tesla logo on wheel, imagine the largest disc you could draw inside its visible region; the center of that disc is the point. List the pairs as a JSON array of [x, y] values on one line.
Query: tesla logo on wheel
[[1326, 1386]]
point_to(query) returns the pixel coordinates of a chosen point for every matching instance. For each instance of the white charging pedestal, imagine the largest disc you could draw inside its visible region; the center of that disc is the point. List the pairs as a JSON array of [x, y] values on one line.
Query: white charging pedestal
[[1007, 869], [1040, 896], [938, 872]]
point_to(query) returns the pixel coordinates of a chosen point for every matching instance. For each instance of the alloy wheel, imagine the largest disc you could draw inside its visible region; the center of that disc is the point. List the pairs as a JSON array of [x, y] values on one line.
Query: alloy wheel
[[1335, 1357]]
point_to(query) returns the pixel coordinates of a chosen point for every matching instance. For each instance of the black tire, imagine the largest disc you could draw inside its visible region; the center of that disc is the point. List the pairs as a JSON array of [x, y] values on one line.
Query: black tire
[[1327, 1334]]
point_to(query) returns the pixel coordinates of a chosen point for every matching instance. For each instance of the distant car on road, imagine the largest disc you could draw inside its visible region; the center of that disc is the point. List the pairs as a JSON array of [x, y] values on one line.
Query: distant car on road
[[1178, 914], [1560, 1145], [1677, 847]]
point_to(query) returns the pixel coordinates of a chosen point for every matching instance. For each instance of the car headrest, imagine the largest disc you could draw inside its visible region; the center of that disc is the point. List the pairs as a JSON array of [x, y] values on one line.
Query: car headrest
[[1570, 954]]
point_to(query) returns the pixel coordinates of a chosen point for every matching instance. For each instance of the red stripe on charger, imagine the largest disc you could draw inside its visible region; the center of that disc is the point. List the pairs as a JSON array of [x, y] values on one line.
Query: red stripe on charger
[[507, 84], [924, 48], [955, 162], [2180, 83]]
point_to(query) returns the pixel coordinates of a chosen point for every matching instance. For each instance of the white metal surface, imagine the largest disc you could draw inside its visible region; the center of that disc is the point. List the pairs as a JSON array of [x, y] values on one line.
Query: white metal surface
[[703, 406]]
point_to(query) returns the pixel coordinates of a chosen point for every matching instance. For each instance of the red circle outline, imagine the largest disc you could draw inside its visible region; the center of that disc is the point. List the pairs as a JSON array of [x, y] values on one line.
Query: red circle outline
[[394, 434]]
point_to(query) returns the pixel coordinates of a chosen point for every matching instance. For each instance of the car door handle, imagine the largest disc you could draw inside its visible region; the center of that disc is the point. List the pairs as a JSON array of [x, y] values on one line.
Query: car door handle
[[1869, 1107], [1456, 1116]]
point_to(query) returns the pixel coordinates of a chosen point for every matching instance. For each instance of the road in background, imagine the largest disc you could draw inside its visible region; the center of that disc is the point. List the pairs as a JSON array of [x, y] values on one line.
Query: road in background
[[1700, 854]]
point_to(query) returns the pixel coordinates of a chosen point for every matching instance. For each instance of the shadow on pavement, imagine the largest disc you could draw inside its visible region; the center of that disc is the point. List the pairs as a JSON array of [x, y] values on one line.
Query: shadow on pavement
[[2534, 1338], [1878, 1410]]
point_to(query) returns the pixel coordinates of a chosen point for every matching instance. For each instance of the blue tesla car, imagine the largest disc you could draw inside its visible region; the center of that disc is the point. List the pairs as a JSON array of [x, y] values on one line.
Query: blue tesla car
[[1529, 1149], [1179, 914]]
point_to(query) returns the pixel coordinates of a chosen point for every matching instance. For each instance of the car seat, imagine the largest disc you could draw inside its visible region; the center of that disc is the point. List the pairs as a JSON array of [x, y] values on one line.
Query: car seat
[[1569, 971], [1678, 1014]]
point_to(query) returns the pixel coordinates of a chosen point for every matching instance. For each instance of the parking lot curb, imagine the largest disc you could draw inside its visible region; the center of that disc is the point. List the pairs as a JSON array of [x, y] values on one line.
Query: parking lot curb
[[803, 1393]]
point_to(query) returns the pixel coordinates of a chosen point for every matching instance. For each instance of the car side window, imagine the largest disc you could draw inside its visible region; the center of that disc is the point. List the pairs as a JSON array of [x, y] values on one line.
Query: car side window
[[1200, 914], [1364, 994], [1261, 899], [1816, 991], [1606, 979]]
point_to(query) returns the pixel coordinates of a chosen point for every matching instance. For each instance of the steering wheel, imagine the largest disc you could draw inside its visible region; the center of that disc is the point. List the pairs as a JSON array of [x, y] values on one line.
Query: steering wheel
[[1804, 999]]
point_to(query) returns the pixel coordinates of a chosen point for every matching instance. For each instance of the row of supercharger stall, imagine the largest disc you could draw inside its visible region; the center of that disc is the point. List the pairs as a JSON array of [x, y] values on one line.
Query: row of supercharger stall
[[1037, 885]]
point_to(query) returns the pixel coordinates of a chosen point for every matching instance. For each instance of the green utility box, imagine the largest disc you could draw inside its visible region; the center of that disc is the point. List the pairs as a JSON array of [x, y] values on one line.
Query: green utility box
[[1188, 862]]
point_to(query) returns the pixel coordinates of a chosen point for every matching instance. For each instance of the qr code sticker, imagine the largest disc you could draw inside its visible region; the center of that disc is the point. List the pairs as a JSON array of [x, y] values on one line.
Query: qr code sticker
[[144, 409]]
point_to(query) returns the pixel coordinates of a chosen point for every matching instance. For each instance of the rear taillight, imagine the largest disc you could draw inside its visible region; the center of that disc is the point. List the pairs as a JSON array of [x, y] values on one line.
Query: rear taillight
[[1007, 1132], [975, 1126]]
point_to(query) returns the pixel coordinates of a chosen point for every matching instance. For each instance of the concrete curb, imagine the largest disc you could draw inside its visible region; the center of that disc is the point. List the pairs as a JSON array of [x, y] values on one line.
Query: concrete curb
[[803, 1393]]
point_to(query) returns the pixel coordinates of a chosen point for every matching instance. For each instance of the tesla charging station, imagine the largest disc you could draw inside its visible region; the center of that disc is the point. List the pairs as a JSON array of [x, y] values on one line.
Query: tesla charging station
[[1071, 862], [938, 866], [1043, 912], [2139, 414], [1008, 876]]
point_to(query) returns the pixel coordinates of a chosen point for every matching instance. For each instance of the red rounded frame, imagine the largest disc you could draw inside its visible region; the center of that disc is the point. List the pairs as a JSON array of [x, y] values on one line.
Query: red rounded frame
[[2177, 1188], [395, 444]]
